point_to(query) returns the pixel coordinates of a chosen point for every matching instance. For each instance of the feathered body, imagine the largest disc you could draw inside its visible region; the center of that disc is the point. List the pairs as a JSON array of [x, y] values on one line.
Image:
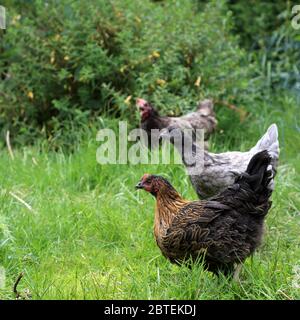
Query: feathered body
[[225, 230], [203, 118], [220, 170]]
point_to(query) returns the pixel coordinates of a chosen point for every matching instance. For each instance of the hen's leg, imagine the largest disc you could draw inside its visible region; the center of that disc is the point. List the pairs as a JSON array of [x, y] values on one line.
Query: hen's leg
[[236, 273]]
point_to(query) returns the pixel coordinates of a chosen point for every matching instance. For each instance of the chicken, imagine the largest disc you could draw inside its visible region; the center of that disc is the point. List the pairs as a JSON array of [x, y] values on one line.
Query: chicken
[[218, 171], [202, 118], [223, 230]]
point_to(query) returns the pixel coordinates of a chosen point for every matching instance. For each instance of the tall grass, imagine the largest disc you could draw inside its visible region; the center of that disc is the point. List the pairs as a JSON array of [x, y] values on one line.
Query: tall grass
[[89, 233]]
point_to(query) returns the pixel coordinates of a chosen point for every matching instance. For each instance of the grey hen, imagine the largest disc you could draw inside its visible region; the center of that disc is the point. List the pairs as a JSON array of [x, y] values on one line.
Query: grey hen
[[202, 118], [218, 171]]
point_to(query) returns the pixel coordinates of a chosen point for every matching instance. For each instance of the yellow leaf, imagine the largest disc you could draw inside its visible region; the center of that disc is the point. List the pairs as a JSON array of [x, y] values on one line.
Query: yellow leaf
[[161, 82], [198, 81], [15, 19], [52, 57], [66, 58], [123, 68], [138, 20], [30, 95], [155, 54], [127, 100]]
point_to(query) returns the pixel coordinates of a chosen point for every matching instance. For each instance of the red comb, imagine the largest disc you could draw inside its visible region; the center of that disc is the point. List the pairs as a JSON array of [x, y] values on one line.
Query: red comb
[[145, 176], [140, 102]]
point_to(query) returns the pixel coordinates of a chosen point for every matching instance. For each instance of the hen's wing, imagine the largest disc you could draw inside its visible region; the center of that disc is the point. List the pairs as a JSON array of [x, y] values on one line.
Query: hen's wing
[[190, 229], [203, 118], [179, 123], [219, 172]]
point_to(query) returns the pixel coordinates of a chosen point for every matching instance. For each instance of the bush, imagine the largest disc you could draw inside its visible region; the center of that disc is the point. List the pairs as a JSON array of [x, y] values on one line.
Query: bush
[[257, 20], [264, 28], [64, 63]]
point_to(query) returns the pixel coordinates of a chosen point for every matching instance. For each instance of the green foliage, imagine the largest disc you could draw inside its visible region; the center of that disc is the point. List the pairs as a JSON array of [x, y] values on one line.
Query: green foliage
[[67, 68], [255, 21], [265, 29], [280, 59], [64, 63], [90, 234]]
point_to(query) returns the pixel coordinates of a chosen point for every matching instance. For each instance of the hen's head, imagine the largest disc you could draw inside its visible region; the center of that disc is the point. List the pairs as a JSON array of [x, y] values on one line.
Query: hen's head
[[154, 184], [145, 108]]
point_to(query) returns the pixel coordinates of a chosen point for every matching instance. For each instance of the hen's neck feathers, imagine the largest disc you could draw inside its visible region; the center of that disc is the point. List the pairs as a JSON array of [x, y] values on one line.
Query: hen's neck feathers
[[168, 204], [155, 121]]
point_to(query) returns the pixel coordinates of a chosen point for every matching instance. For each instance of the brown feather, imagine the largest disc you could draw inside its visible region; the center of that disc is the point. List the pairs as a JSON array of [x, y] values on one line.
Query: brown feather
[[224, 230]]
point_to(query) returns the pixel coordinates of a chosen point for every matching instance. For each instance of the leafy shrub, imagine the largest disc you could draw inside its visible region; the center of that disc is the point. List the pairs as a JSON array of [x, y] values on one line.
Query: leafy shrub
[[264, 28], [66, 62], [257, 20], [280, 59]]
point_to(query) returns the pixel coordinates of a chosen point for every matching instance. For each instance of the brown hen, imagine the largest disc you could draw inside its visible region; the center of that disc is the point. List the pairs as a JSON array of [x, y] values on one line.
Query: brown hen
[[224, 230]]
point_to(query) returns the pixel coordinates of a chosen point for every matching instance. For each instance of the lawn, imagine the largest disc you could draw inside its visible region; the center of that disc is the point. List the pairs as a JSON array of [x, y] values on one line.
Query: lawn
[[88, 233]]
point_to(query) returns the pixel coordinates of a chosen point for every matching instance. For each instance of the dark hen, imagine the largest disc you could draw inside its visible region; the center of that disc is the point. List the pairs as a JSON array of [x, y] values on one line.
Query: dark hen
[[224, 230], [203, 118]]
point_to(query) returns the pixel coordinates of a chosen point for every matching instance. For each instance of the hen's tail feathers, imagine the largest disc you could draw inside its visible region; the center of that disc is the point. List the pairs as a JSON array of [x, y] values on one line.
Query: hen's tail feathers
[[269, 142], [259, 179], [259, 172], [206, 110], [251, 191]]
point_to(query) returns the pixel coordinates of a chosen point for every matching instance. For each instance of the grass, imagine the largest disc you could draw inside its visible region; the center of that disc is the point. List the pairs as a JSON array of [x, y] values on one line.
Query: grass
[[89, 235]]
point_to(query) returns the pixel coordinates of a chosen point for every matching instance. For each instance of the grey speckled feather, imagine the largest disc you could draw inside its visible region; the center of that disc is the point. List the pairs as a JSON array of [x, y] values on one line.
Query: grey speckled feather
[[202, 118], [220, 170]]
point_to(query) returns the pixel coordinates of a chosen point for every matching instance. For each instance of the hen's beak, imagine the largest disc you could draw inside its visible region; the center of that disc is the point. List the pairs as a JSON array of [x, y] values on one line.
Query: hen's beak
[[139, 186]]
